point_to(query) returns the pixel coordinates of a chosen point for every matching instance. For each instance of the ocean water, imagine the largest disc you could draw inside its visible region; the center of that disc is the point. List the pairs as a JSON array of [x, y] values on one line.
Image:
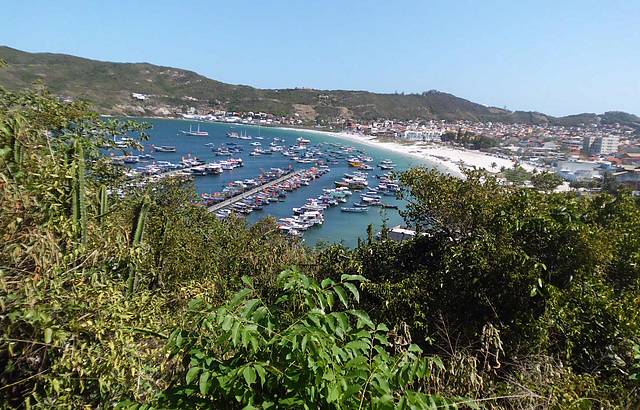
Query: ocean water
[[338, 226]]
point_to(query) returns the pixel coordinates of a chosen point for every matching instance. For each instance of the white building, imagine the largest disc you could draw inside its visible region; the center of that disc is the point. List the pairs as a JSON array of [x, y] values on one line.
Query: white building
[[421, 135], [603, 145], [578, 170], [606, 145]]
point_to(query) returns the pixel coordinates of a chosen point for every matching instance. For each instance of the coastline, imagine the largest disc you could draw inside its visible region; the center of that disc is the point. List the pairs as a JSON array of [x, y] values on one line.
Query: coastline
[[451, 160]]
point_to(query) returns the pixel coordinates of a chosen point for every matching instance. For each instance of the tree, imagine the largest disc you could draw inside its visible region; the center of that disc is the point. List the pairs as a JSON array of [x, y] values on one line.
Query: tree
[[303, 351], [517, 175], [609, 183], [546, 181], [553, 273], [94, 271]]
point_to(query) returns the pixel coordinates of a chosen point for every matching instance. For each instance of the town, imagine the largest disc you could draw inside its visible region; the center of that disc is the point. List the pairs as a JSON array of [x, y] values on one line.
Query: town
[[582, 155]]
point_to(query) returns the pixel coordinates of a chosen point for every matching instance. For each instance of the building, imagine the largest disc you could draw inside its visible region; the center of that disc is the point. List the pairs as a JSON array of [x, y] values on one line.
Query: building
[[629, 175], [606, 145], [631, 158], [603, 145], [421, 135], [572, 170]]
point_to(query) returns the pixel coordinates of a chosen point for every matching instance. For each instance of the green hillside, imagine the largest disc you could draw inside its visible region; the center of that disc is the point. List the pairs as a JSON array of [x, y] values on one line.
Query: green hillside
[[109, 86]]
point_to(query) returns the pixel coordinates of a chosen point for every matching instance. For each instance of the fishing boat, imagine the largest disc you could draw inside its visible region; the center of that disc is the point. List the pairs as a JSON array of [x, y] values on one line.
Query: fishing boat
[[387, 164], [355, 210], [196, 133], [124, 142], [130, 159], [164, 148]]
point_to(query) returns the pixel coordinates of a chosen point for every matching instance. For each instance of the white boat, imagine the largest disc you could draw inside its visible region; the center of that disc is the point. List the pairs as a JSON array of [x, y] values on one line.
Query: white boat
[[196, 133], [355, 210], [124, 142], [244, 136], [130, 159], [164, 148]]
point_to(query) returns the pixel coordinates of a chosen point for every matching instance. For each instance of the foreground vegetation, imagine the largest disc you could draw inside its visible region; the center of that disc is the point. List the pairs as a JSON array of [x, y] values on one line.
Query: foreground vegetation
[[115, 296]]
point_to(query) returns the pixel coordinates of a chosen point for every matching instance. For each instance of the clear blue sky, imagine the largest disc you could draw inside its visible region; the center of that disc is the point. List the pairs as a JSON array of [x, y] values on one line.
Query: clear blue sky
[[558, 57]]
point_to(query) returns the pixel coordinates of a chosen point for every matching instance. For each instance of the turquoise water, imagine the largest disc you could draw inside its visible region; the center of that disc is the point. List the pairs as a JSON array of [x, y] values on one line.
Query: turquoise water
[[338, 226]]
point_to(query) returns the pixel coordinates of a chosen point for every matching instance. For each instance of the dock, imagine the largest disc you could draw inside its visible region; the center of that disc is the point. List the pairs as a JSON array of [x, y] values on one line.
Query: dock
[[253, 191]]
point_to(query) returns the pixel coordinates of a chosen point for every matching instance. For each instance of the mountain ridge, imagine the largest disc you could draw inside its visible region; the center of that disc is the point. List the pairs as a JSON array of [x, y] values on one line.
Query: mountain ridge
[[108, 86]]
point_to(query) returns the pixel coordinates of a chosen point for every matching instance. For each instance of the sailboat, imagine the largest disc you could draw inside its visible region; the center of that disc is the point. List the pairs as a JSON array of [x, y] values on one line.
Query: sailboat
[[197, 133]]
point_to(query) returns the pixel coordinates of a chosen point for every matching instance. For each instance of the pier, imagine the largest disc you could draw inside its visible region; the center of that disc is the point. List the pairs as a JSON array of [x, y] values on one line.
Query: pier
[[253, 191]]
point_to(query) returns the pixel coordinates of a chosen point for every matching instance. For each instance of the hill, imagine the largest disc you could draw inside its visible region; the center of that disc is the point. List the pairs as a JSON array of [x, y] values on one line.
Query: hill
[[171, 90]]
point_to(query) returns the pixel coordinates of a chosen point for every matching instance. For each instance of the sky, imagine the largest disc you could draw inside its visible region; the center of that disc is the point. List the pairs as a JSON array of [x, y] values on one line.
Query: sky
[[558, 57]]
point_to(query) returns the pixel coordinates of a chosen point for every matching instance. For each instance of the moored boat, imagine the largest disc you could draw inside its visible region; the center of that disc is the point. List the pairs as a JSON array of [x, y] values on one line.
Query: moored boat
[[354, 210], [164, 148], [196, 133]]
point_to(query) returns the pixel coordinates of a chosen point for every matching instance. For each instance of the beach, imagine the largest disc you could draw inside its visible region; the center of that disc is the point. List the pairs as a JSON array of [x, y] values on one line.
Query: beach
[[453, 159]]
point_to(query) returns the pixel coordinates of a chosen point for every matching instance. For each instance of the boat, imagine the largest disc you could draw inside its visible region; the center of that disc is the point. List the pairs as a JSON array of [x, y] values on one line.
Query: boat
[[213, 168], [124, 142], [244, 136], [196, 133], [386, 164], [130, 159], [355, 210], [164, 148]]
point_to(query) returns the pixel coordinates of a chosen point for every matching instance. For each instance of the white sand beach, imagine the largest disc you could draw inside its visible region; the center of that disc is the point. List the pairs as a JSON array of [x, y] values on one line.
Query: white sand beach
[[448, 159]]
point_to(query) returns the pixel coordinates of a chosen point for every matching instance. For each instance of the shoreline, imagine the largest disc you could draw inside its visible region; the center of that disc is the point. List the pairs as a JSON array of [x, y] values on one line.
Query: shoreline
[[447, 159], [387, 146], [453, 159]]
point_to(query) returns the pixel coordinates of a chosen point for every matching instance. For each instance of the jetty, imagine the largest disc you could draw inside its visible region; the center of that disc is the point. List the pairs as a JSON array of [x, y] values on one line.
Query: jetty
[[253, 191]]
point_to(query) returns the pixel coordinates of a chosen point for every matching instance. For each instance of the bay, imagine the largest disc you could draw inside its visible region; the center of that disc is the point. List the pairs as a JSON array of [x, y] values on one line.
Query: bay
[[339, 226]]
